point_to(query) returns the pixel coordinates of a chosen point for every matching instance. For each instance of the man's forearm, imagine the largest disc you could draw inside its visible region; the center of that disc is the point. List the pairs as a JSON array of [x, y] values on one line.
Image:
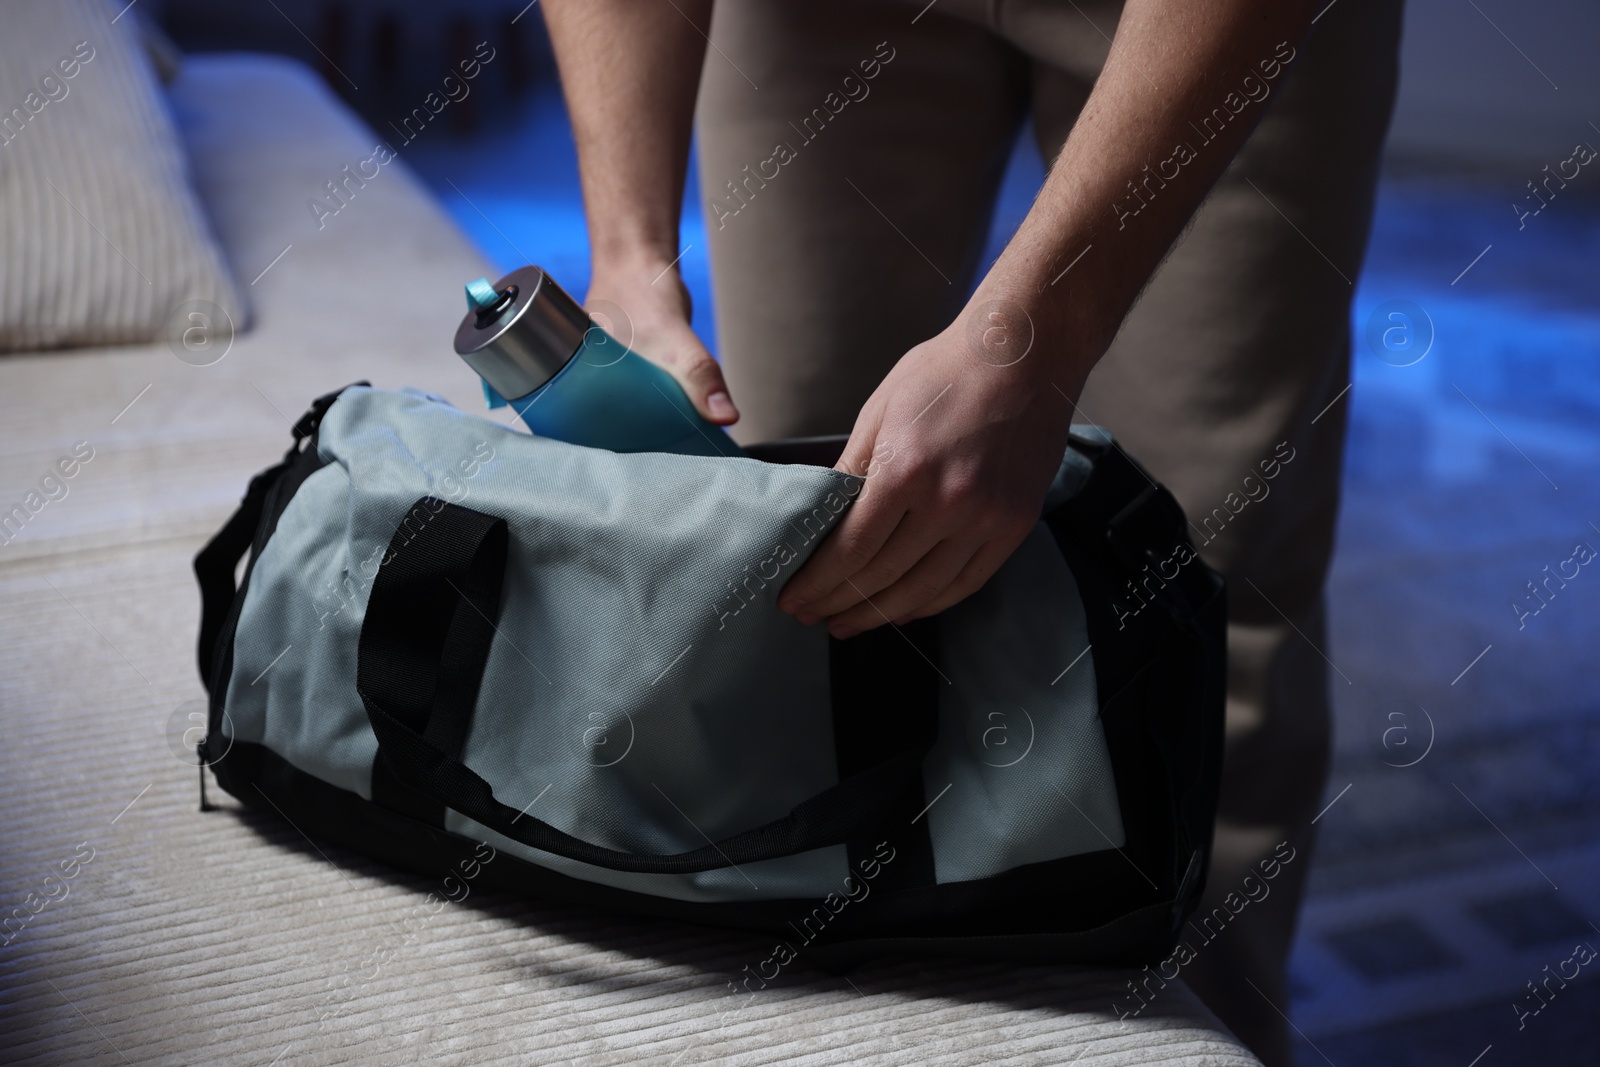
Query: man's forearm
[[1139, 161], [630, 70]]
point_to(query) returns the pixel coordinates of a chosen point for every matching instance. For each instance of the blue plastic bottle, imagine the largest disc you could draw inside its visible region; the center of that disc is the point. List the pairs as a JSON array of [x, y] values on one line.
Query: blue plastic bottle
[[537, 349]]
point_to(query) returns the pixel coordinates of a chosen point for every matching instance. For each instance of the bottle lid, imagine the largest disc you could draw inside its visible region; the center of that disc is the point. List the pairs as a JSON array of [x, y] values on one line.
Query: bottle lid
[[520, 332]]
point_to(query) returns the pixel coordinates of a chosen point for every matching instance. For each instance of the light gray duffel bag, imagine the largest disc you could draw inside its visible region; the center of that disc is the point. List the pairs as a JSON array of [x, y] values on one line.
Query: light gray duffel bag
[[450, 632]]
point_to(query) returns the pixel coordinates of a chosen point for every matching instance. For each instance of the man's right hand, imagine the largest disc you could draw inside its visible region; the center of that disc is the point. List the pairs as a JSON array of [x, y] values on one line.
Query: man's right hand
[[653, 308]]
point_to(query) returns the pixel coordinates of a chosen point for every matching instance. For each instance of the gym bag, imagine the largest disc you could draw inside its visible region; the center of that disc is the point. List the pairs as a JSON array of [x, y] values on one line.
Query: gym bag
[[452, 633]]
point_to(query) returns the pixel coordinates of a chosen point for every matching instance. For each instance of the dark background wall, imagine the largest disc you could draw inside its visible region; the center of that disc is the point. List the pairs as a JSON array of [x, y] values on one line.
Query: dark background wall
[[1496, 84], [382, 56]]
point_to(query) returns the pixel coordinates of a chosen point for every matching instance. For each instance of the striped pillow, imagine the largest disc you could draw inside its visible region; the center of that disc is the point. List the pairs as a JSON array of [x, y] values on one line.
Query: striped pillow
[[102, 239]]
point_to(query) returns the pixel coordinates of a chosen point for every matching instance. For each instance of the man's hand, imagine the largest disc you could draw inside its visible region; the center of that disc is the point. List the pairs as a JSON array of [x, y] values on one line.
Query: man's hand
[[647, 308], [958, 445], [630, 70], [958, 452]]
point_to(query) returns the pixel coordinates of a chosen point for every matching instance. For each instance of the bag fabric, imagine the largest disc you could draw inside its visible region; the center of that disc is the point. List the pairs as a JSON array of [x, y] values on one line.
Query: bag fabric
[[450, 632]]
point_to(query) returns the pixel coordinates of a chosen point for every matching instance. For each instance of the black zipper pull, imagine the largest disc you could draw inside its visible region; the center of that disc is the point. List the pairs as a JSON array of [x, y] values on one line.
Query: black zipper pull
[[200, 764]]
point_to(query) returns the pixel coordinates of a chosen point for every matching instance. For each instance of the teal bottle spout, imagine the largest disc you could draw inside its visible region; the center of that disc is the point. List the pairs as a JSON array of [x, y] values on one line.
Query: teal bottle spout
[[481, 296], [537, 350]]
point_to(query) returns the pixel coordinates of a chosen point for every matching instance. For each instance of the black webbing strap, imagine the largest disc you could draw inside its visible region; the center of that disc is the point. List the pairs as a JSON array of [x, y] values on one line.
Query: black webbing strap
[[429, 675], [424, 643], [215, 564], [884, 687]]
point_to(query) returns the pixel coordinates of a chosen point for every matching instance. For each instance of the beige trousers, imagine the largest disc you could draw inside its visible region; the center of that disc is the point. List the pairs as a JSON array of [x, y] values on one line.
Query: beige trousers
[[861, 237]]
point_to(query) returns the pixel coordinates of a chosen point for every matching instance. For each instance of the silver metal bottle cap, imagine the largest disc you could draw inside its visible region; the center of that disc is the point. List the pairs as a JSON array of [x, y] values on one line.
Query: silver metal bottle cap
[[520, 341]]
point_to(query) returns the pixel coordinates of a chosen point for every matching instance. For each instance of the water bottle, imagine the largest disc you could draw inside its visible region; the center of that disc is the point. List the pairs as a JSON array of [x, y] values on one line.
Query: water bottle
[[537, 349]]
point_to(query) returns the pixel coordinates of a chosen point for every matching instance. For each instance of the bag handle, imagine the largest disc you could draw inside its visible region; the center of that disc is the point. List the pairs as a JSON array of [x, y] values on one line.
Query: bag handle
[[215, 564], [425, 640]]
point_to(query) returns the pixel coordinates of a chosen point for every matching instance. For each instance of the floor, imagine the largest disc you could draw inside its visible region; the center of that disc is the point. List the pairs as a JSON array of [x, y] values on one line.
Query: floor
[[1459, 859], [1458, 862]]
